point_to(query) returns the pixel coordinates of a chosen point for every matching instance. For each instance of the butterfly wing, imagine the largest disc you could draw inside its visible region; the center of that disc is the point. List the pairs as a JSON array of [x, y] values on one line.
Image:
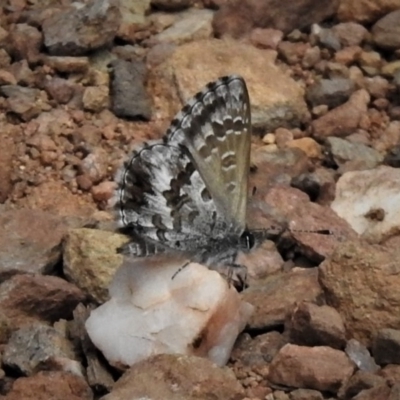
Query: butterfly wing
[[215, 126], [178, 193]]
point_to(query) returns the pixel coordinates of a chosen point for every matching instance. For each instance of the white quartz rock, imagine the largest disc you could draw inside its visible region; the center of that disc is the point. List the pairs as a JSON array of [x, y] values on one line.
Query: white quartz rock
[[195, 313], [370, 201]]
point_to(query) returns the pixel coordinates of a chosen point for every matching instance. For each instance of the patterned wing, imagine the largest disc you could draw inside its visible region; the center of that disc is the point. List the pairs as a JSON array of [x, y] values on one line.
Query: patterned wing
[[178, 194], [215, 126]]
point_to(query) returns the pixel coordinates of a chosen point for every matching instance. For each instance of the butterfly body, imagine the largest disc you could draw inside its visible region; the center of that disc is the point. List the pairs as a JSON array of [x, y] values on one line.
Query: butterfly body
[[188, 191]]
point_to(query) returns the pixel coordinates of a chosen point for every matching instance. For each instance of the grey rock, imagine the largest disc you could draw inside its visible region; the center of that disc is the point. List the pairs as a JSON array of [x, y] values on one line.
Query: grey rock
[[358, 154], [331, 92], [75, 32], [34, 347], [386, 32], [128, 94], [360, 355], [386, 346]]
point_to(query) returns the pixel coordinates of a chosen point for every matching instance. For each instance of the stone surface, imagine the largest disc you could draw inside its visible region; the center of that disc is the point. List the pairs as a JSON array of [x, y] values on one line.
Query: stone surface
[[368, 201], [386, 346], [24, 298], [377, 304], [360, 381], [166, 305], [360, 355], [176, 377], [236, 18], [274, 297], [128, 95], [30, 241], [276, 99], [386, 32], [39, 347], [25, 42], [193, 25], [319, 368], [365, 10], [342, 120], [312, 325], [331, 92], [54, 385], [350, 33], [74, 32], [353, 156], [91, 260]]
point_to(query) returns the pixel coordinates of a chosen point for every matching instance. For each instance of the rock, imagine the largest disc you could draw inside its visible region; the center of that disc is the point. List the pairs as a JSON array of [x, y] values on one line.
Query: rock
[[360, 381], [353, 156], [368, 200], [365, 11], [91, 260], [350, 33], [176, 377], [258, 351], [173, 5], [305, 219], [97, 371], [292, 52], [35, 243], [237, 18], [312, 56], [59, 89], [348, 264], [377, 393], [266, 38], [319, 368], [386, 346], [326, 37], [312, 325], [25, 102], [128, 94], [95, 98], [377, 86], [24, 42], [305, 394], [74, 31], [7, 153], [275, 296], [386, 32], [194, 25], [68, 65], [55, 385], [37, 347], [162, 304], [342, 120], [390, 69], [361, 357], [332, 92], [33, 297], [388, 139], [391, 373], [308, 145], [276, 99]]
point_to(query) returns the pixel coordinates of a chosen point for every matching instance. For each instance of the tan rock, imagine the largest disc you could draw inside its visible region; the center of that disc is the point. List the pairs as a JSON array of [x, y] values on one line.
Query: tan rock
[[96, 98], [343, 120], [308, 145], [275, 98], [365, 10], [371, 272], [176, 377], [321, 368], [91, 260], [274, 297]]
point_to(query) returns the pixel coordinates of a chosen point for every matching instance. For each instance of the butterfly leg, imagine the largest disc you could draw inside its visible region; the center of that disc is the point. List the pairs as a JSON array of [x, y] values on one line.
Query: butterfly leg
[[180, 269], [237, 276]]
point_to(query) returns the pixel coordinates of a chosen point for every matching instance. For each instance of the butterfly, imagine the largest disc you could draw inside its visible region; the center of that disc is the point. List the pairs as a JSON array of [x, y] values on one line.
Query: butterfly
[[188, 191]]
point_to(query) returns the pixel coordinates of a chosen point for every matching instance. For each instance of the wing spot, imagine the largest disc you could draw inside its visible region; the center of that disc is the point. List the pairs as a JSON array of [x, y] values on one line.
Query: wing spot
[[230, 187], [205, 195], [228, 160]]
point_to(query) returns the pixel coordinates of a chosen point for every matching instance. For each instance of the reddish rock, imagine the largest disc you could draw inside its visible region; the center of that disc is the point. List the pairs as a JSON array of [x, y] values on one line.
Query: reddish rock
[[236, 18], [59, 89], [50, 385], [343, 275], [342, 120], [67, 64], [32, 297], [386, 32], [319, 368], [25, 42], [276, 296], [360, 381], [312, 325], [177, 377], [386, 346]]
